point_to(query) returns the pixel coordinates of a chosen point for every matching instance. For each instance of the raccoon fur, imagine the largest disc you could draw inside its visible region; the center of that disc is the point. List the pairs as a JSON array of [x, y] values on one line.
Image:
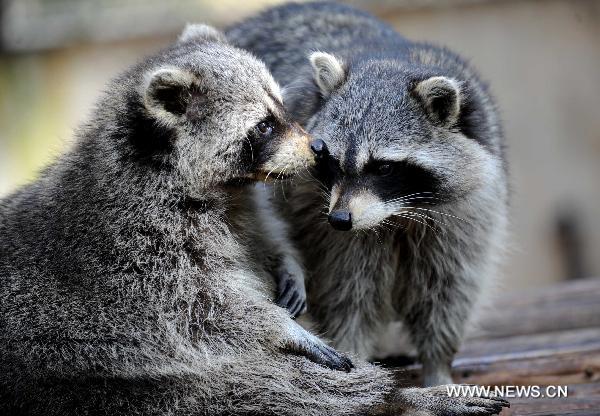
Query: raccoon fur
[[412, 178], [131, 271]]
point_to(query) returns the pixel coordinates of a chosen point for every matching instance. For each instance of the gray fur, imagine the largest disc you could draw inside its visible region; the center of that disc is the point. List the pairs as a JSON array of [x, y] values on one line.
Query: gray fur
[[425, 259], [131, 271]]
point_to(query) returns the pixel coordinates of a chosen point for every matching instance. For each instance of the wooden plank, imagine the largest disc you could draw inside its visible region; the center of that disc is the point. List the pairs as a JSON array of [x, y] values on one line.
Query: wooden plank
[[537, 339], [563, 307], [541, 319], [571, 290], [568, 357], [585, 390], [525, 346], [561, 369]]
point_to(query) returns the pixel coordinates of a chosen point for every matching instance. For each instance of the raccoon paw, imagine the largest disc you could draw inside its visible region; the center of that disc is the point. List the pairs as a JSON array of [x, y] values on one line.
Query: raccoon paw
[[291, 293], [437, 401], [308, 345], [328, 357]]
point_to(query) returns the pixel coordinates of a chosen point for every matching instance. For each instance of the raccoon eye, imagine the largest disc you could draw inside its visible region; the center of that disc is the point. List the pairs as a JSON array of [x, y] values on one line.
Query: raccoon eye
[[264, 129], [385, 169]]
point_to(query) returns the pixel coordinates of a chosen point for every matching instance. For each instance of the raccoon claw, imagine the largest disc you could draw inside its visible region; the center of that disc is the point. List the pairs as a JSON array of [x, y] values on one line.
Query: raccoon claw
[[291, 295], [330, 358], [306, 344]]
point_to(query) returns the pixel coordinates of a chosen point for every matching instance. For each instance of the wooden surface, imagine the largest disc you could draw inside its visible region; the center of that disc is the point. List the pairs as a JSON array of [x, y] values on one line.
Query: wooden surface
[[544, 337]]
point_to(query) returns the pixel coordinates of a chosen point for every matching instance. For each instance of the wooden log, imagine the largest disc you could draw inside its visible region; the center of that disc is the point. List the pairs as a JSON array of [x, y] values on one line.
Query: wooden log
[[551, 337], [534, 345], [541, 319], [563, 307], [572, 290], [568, 357], [561, 369]]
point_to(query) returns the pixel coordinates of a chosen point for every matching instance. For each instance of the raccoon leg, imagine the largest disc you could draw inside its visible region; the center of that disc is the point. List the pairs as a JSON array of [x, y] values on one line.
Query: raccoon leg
[[436, 323], [299, 341], [291, 292], [286, 266], [436, 373]]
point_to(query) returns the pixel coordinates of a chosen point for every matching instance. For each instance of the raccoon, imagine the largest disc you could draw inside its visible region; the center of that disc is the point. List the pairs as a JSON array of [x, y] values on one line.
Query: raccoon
[[131, 271], [412, 178]]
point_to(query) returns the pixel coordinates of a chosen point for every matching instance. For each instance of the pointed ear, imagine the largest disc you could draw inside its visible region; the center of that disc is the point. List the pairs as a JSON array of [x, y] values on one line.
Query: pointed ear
[[200, 31], [441, 98], [167, 93], [329, 72]]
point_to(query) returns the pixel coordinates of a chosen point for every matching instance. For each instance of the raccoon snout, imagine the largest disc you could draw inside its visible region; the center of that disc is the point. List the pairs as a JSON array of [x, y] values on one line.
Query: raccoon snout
[[319, 148], [340, 220]]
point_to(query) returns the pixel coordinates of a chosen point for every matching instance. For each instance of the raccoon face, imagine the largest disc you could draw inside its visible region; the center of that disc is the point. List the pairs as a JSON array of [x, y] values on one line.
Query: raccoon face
[[395, 143], [225, 112]]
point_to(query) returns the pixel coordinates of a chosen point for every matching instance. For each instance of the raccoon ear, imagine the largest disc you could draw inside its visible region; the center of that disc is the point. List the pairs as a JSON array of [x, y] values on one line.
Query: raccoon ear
[[441, 98], [199, 31], [167, 93], [329, 72]]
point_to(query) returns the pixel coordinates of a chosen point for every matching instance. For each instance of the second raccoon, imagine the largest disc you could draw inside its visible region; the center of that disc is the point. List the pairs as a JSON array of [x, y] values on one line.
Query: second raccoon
[[412, 165]]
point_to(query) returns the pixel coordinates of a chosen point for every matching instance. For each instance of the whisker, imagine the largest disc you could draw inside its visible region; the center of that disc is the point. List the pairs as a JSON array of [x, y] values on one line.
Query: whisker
[[268, 174], [316, 179], [415, 194], [281, 183], [429, 217], [441, 213], [395, 224], [280, 173], [403, 215], [415, 198], [374, 229], [251, 149]]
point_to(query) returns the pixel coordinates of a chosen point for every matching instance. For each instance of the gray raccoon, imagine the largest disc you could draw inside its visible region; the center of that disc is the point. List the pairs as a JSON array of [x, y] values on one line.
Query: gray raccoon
[[415, 167], [130, 279]]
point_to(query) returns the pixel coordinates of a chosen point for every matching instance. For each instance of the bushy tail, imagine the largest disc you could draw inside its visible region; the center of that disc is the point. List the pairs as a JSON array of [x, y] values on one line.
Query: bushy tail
[[244, 384]]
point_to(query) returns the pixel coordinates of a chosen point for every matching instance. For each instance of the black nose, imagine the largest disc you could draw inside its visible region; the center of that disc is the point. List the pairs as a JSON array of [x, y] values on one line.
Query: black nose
[[341, 220], [319, 148]]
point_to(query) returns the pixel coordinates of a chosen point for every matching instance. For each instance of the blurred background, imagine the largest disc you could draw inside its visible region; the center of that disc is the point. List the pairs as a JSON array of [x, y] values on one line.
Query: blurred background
[[542, 59]]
